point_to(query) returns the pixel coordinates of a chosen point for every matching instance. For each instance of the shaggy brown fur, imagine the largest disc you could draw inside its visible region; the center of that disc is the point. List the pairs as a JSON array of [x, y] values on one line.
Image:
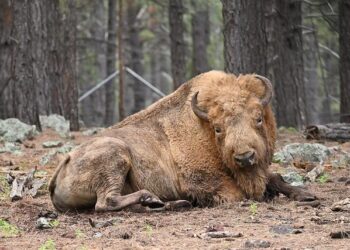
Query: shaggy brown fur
[[166, 152]]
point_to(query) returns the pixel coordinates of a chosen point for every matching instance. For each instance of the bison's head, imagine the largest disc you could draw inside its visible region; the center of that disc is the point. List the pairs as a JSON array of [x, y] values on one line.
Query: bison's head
[[239, 116]]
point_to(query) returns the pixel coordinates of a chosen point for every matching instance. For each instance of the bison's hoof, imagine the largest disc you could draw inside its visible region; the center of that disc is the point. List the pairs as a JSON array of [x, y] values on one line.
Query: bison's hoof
[[151, 202], [178, 205]]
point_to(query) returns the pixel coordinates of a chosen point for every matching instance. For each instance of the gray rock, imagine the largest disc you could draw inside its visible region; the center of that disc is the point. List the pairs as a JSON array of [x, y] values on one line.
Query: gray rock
[[52, 144], [294, 179], [92, 131], [42, 223], [97, 235], [306, 152], [11, 147], [13, 130], [282, 229], [342, 162], [47, 157], [257, 244], [66, 148], [57, 123]]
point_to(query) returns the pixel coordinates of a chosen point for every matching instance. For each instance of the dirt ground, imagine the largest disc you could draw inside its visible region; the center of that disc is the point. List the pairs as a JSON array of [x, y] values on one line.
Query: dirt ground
[[281, 222]]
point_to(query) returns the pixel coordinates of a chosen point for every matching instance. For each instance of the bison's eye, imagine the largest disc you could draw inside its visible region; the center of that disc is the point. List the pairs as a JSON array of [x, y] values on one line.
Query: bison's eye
[[217, 130], [259, 121]]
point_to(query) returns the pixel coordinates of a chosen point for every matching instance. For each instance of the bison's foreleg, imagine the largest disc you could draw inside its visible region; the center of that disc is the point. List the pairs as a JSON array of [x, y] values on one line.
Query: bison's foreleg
[[116, 202], [277, 185]]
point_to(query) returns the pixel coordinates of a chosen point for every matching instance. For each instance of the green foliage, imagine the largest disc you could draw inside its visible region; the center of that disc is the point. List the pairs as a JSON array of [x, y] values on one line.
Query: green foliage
[[79, 234], [323, 178], [8, 230], [48, 245], [5, 188], [277, 158], [54, 223], [147, 35], [253, 208], [283, 129], [149, 230]]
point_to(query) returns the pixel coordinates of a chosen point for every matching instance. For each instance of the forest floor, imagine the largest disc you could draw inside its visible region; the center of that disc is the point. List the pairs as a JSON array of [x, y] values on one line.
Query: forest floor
[[280, 223]]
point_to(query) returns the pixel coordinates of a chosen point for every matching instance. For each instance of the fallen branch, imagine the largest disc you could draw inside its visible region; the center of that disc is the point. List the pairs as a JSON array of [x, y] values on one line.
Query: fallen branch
[[332, 131], [220, 234], [24, 185]]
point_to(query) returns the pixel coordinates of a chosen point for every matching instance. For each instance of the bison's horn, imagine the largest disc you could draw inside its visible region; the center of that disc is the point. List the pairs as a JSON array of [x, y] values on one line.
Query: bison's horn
[[200, 113], [268, 90]]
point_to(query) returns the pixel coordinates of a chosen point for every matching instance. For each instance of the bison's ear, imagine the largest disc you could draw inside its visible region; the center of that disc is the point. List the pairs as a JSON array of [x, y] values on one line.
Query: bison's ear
[[268, 90], [200, 113]]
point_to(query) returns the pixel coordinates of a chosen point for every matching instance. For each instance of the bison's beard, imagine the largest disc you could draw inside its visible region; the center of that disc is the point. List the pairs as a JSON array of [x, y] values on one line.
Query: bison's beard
[[252, 180]]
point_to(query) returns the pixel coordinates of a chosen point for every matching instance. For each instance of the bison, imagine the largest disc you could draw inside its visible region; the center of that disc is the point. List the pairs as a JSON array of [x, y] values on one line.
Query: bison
[[209, 142]]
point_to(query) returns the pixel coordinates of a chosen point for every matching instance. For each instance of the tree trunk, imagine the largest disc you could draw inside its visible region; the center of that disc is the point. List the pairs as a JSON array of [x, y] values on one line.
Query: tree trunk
[[121, 61], [245, 41], [311, 78], [177, 43], [136, 55], [200, 37], [312, 83], [23, 51], [37, 74], [344, 62], [111, 63], [92, 52], [286, 61], [69, 76]]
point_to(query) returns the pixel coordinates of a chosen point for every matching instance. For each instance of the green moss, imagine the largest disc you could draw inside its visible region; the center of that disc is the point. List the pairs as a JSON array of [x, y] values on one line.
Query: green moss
[[323, 178], [8, 230], [253, 208], [5, 188], [48, 245]]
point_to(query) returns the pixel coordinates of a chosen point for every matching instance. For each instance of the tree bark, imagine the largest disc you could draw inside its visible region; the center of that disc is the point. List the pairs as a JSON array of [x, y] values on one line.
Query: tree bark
[[37, 73], [111, 63], [21, 71], [312, 83], [344, 62], [93, 54], [286, 61], [136, 55], [245, 41], [200, 37], [177, 42], [121, 61], [69, 76]]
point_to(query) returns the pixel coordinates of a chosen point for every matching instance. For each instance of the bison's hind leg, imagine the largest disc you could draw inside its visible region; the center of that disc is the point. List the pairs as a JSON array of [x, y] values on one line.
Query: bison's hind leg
[[111, 181], [114, 201]]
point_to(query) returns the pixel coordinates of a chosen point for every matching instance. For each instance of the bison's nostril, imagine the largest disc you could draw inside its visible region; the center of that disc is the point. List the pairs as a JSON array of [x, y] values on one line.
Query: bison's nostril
[[246, 159]]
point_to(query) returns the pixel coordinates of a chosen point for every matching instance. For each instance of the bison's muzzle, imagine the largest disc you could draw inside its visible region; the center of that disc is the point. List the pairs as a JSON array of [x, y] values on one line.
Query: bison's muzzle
[[246, 159]]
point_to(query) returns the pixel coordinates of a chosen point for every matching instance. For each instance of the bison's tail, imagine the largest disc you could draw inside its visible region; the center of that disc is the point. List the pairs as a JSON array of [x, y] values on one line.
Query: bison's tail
[[52, 184]]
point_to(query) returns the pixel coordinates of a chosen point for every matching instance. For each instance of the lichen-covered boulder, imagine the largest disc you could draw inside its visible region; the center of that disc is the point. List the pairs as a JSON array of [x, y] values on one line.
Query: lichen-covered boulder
[[57, 123], [305, 152], [13, 130]]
